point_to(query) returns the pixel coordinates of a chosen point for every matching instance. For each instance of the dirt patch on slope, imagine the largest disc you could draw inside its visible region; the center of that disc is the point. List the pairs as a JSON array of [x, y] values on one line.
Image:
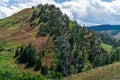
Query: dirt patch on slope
[[26, 35]]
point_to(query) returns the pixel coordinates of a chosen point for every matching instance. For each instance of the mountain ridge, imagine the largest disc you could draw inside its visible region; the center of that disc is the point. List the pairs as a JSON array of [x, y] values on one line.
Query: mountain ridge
[[47, 41], [111, 30], [104, 27]]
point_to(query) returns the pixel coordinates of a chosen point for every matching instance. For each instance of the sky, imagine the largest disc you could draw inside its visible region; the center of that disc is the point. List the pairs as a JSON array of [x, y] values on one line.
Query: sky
[[85, 12]]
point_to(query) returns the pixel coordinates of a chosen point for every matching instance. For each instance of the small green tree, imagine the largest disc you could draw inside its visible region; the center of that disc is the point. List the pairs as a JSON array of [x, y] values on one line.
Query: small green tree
[[38, 64], [44, 70], [16, 53], [59, 67], [31, 59], [41, 54]]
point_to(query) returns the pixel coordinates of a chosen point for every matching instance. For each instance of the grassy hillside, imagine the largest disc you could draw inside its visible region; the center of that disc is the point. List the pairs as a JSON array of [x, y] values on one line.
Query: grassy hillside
[[11, 71], [17, 20], [106, 47], [44, 41], [15, 31], [7, 66], [110, 72]]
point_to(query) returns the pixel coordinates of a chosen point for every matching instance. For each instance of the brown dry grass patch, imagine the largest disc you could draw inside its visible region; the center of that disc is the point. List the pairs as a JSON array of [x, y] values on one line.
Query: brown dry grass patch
[[110, 72]]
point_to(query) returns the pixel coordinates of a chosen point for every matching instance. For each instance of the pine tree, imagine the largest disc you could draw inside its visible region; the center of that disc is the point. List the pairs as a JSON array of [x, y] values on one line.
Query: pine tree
[[31, 58], [108, 61], [115, 44], [21, 49], [59, 67], [20, 58], [38, 64], [97, 61], [16, 53], [34, 15], [44, 70], [41, 54], [25, 56]]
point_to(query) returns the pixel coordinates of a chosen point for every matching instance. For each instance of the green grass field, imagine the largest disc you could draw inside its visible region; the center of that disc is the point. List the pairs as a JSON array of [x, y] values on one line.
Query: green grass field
[[8, 68], [10, 71], [106, 47]]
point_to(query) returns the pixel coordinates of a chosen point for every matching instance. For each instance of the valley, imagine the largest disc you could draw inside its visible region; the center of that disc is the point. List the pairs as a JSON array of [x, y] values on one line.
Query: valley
[[111, 30]]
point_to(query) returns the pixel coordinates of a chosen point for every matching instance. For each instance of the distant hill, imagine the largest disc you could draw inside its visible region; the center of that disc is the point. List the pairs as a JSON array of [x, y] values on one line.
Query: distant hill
[[111, 30], [105, 27]]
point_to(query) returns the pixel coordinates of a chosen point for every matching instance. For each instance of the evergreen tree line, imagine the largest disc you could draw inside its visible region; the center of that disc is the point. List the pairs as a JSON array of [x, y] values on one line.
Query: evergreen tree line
[[29, 56], [101, 60], [105, 38]]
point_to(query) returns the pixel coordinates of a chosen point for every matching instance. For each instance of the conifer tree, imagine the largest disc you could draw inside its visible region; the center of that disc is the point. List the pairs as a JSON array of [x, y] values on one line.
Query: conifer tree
[[38, 64], [59, 67], [44, 70], [16, 53], [31, 58]]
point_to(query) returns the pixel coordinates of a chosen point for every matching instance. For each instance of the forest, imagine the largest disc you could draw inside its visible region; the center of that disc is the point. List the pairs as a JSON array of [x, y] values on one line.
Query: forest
[[70, 48], [75, 48]]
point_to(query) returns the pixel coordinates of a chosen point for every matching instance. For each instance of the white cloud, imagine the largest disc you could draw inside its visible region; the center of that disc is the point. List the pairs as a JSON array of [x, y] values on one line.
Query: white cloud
[[8, 7], [94, 11], [84, 11]]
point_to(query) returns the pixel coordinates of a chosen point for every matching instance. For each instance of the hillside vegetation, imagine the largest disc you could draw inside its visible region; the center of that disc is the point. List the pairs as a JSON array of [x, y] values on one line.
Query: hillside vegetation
[[106, 47], [10, 71], [111, 30], [47, 43], [105, 27], [110, 72]]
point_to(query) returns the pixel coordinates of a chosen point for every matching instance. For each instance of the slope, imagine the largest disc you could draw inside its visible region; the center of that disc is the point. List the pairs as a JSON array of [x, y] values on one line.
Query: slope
[[111, 30], [105, 27], [48, 39], [109, 72], [15, 31]]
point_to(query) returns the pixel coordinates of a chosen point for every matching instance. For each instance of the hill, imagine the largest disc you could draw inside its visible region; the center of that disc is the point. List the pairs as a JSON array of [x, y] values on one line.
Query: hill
[[44, 41], [111, 30], [109, 72], [105, 27]]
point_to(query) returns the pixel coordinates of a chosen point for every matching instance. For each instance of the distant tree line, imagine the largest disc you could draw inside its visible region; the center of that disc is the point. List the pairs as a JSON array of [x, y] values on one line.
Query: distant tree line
[[101, 60]]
